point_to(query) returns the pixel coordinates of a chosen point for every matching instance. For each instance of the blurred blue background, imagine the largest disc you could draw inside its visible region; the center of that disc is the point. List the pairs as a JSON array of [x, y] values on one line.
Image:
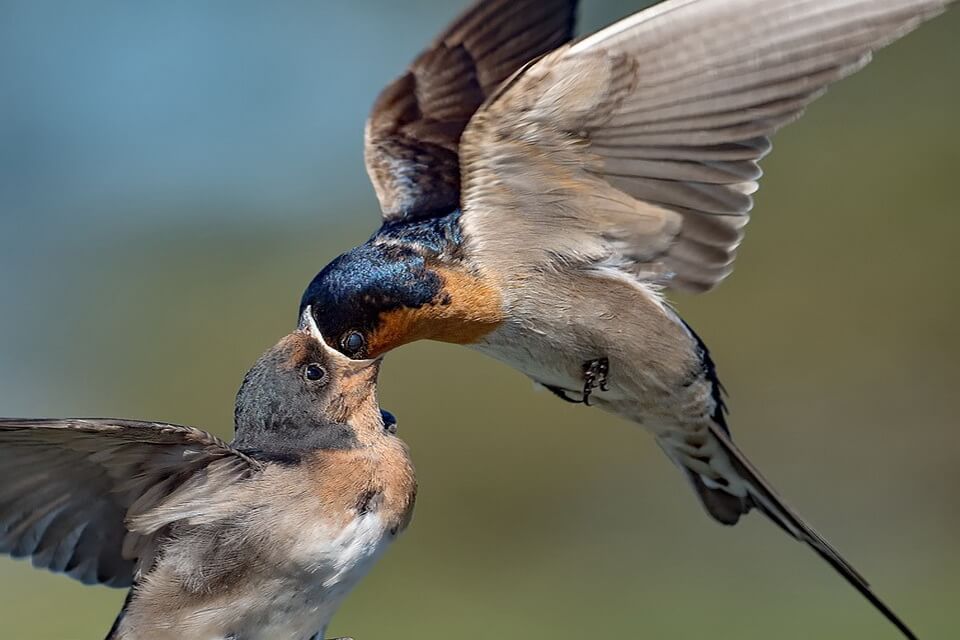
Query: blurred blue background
[[173, 173]]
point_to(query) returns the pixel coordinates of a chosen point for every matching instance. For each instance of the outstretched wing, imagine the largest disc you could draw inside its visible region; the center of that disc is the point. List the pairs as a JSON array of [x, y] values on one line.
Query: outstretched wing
[[413, 132], [637, 148], [87, 497]]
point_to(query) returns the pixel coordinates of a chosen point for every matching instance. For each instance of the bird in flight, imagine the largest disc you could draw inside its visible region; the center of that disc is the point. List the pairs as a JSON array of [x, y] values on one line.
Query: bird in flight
[[254, 540], [540, 195]]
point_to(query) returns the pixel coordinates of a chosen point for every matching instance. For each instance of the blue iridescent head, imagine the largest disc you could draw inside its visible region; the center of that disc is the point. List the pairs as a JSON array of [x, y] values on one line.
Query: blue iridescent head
[[383, 294], [351, 293]]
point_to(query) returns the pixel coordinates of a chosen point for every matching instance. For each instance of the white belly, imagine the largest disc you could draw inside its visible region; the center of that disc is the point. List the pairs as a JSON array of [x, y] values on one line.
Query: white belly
[[327, 568]]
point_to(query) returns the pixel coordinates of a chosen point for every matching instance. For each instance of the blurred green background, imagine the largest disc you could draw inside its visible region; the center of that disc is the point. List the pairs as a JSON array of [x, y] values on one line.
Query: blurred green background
[[172, 174]]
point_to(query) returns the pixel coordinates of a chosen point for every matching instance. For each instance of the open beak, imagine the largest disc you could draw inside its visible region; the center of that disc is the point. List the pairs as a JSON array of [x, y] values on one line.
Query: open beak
[[309, 326]]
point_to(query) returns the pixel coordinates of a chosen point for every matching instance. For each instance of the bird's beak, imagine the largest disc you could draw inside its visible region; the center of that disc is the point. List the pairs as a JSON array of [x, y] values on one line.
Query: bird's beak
[[308, 325]]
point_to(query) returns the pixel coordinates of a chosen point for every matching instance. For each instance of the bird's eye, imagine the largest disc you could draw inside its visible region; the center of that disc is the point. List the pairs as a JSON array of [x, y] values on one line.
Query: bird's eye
[[353, 343], [314, 372]]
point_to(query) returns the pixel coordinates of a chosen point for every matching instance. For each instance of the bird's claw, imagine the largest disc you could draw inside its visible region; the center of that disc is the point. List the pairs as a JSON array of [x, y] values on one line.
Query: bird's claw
[[595, 375]]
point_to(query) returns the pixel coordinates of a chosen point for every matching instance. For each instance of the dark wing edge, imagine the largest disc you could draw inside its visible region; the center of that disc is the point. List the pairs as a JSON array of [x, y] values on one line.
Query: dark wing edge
[[70, 488], [413, 132]]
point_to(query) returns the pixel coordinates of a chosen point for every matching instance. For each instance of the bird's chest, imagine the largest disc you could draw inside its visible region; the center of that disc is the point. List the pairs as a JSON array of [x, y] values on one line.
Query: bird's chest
[[552, 326], [359, 504], [305, 538], [325, 566], [329, 560]]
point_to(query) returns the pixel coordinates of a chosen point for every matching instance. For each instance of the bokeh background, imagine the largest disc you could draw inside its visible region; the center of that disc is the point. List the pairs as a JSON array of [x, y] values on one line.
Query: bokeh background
[[173, 173]]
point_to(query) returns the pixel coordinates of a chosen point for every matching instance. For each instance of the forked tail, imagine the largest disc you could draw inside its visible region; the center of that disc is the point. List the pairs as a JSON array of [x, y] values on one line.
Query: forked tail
[[729, 486], [736, 486]]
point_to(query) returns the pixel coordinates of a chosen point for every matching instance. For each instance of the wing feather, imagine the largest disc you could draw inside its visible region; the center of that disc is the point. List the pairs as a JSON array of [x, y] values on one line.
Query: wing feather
[[88, 497], [413, 132], [666, 113]]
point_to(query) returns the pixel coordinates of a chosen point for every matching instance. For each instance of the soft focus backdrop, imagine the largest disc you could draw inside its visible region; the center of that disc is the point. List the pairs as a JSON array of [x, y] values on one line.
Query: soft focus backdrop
[[172, 174]]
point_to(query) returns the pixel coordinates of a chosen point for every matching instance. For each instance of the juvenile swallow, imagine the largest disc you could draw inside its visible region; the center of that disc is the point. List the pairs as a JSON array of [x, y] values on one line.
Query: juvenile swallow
[[259, 539], [539, 196]]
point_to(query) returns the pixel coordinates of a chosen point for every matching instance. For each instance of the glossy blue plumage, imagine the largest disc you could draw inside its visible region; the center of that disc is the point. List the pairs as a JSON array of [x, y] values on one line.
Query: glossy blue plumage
[[392, 270], [434, 235]]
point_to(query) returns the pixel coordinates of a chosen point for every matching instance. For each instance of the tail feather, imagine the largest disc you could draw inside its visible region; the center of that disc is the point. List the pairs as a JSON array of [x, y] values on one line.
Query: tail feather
[[723, 506], [760, 494], [729, 486]]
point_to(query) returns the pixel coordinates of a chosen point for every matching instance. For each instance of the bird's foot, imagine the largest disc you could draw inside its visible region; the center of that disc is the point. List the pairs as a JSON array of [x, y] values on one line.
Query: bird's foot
[[595, 376]]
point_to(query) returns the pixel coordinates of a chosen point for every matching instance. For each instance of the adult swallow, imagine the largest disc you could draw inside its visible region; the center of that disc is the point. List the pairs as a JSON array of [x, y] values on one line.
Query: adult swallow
[[259, 539], [538, 197]]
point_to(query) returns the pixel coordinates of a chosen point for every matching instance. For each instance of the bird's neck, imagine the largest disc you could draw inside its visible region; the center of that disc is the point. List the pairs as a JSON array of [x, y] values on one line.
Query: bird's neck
[[290, 441]]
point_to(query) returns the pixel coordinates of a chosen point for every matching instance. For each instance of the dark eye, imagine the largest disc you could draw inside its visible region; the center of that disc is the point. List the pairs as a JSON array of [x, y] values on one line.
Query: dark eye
[[314, 372], [353, 343]]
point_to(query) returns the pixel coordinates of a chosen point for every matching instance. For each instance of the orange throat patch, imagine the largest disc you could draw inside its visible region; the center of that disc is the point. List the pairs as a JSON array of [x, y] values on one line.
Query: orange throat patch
[[466, 309]]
